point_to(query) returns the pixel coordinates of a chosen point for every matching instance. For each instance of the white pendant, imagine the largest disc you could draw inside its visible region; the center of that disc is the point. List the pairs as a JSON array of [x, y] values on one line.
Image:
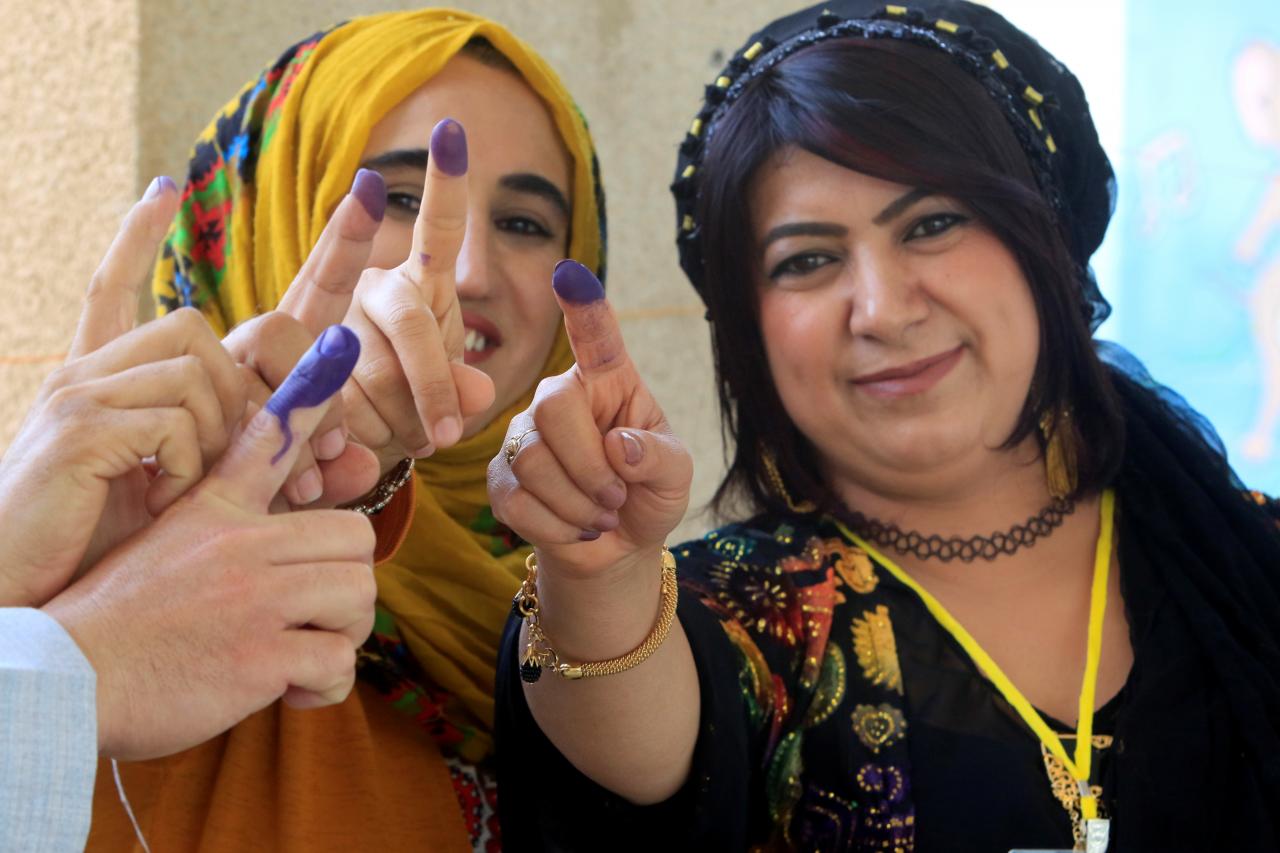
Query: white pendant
[[1097, 835]]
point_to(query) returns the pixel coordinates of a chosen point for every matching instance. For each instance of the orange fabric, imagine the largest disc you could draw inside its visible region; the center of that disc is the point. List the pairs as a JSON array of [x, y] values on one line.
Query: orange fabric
[[392, 524], [280, 781]]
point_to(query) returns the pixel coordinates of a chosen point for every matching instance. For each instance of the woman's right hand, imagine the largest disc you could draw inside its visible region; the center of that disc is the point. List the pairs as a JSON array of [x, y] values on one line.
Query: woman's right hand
[[598, 479], [597, 483]]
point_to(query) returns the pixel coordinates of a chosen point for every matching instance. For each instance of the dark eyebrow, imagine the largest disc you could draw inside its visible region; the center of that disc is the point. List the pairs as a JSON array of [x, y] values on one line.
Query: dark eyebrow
[[521, 182], [803, 229], [527, 182], [403, 158], [896, 208]]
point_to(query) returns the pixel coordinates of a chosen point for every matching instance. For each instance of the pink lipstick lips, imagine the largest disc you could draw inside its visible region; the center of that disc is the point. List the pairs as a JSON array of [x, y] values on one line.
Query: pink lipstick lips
[[909, 379]]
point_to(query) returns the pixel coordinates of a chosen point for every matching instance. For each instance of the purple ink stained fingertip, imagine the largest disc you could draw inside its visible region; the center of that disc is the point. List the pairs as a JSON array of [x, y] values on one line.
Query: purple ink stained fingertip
[[449, 147], [159, 184], [575, 283], [316, 377], [371, 191], [337, 341]]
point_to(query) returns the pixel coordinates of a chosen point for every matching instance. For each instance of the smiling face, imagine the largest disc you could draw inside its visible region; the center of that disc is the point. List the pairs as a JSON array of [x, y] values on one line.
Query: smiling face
[[518, 217], [901, 333]]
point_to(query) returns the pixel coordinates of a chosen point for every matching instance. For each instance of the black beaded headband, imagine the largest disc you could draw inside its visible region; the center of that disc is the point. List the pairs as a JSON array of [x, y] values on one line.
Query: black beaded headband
[[1024, 107]]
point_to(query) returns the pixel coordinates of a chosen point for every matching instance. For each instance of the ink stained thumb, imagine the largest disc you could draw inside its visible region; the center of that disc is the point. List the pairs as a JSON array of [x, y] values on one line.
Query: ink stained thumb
[[316, 377]]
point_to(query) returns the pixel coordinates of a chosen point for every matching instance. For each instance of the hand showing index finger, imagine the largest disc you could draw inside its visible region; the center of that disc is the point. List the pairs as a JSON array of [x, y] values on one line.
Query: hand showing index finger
[[321, 292], [591, 324], [111, 303], [439, 231]]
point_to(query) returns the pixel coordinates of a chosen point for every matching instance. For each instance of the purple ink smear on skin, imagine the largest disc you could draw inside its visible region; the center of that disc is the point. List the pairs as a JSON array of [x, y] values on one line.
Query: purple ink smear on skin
[[371, 191], [449, 148], [316, 377], [575, 283], [424, 258]]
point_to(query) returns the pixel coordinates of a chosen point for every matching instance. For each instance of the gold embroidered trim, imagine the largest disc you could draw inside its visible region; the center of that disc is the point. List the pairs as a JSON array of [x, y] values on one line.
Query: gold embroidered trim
[[878, 726], [876, 648]]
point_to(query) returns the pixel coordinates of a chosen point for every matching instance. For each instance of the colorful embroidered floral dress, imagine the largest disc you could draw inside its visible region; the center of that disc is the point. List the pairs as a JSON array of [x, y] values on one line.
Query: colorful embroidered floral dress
[[857, 722]]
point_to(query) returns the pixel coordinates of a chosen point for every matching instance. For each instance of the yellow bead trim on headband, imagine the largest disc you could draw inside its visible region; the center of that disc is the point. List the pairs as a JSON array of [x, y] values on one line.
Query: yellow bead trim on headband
[[1000, 61], [687, 223], [753, 51], [688, 171], [1033, 96], [945, 26], [896, 10], [723, 82], [1035, 119], [1053, 146], [695, 129]]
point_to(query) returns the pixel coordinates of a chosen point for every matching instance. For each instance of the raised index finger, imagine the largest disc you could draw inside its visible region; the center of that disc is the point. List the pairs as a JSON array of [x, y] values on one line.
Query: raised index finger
[[440, 229], [321, 293], [111, 303], [590, 321]]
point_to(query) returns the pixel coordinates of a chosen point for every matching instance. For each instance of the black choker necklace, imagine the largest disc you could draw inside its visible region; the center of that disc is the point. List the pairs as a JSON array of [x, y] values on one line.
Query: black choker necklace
[[934, 547]]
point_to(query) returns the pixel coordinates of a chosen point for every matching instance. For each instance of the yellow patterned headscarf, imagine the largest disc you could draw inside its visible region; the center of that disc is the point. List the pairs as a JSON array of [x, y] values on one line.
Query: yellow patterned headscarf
[[264, 179]]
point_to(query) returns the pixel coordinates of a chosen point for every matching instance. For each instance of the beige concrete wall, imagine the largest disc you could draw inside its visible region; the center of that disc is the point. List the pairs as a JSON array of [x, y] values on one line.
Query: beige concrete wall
[[68, 172], [146, 76]]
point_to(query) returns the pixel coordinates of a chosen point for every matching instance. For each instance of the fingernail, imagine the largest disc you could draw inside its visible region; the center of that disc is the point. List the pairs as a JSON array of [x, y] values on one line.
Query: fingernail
[[449, 147], [310, 486], [158, 185], [331, 444], [424, 451], [371, 191], [575, 283], [632, 449], [446, 432], [607, 521], [612, 497], [589, 535]]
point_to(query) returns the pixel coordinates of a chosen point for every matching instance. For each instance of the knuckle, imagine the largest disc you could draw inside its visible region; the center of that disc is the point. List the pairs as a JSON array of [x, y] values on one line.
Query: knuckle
[[188, 320], [191, 370], [276, 325], [436, 393], [405, 319], [380, 374], [358, 530]]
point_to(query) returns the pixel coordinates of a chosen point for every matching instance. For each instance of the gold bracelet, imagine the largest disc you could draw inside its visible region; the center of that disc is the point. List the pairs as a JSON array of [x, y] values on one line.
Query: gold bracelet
[[539, 655]]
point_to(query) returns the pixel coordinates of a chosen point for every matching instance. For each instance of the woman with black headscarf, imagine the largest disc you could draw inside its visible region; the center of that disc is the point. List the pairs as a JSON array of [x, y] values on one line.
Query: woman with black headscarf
[[995, 589]]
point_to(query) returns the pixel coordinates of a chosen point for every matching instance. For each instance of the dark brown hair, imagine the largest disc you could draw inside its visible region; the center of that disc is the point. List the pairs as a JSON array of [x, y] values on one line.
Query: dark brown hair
[[906, 114]]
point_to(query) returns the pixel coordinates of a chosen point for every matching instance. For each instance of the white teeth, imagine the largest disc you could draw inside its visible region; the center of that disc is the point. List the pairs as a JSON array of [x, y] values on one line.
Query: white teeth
[[475, 342]]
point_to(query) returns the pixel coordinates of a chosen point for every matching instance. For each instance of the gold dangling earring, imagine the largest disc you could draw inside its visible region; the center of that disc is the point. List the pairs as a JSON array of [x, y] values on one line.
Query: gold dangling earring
[[1060, 463], [778, 487]]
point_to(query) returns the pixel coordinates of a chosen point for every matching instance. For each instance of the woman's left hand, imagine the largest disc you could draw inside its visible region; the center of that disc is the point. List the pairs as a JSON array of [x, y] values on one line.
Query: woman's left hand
[[411, 391]]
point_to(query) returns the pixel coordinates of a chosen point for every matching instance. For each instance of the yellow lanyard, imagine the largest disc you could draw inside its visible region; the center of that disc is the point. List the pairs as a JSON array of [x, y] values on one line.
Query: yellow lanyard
[[1080, 767]]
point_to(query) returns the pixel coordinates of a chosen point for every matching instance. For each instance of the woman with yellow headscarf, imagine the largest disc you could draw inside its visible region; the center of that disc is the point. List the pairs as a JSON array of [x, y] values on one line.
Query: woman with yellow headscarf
[[401, 764]]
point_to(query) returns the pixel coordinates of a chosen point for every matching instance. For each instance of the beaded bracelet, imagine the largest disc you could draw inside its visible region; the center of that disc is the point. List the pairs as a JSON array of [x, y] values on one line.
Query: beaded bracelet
[[377, 500]]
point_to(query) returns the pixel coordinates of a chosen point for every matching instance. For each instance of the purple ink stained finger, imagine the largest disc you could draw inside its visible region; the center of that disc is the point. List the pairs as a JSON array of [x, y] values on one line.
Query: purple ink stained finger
[[316, 377], [449, 148], [575, 283], [370, 190]]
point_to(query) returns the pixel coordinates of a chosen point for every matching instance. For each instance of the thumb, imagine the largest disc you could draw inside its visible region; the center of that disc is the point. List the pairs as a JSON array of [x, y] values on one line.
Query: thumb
[[111, 303], [256, 465], [652, 458], [593, 329]]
